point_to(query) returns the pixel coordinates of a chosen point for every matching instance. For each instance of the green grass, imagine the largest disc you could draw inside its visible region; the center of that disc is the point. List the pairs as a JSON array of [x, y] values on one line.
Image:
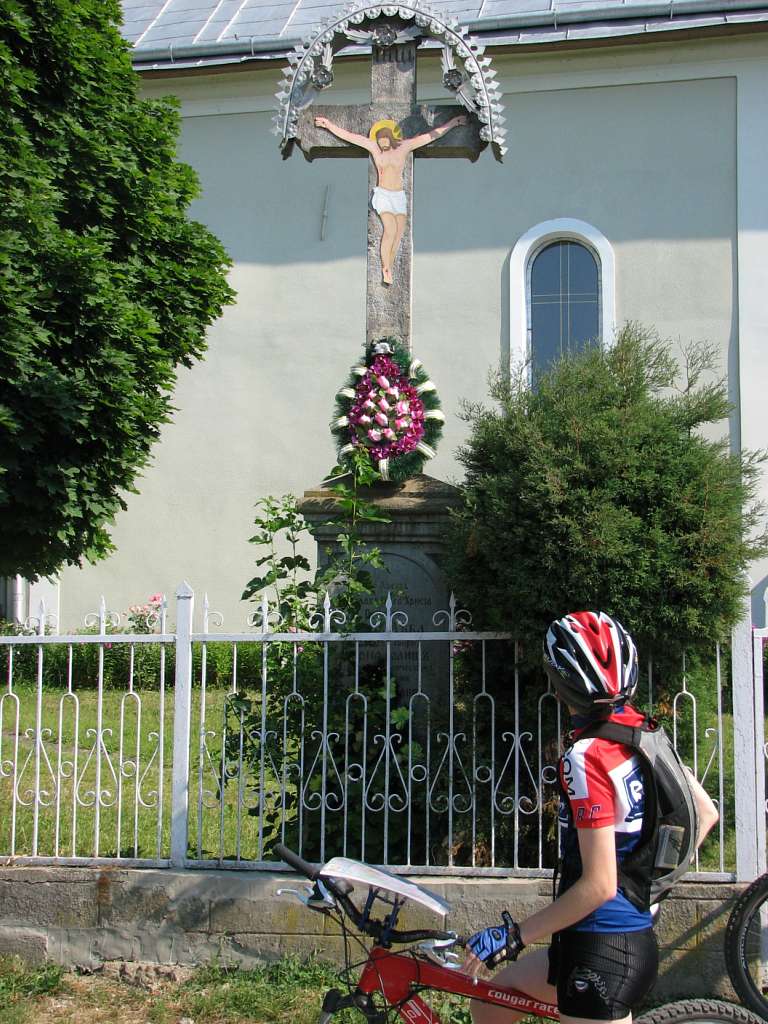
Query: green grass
[[138, 834], [20, 984], [289, 991]]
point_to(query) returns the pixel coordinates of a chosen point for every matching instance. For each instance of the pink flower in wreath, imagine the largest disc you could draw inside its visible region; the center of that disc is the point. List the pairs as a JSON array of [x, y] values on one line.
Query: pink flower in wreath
[[381, 419], [382, 382], [375, 435], [364, 419]]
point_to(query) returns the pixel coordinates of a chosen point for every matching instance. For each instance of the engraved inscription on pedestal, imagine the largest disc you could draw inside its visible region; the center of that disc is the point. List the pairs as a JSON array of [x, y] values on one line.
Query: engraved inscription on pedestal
[[418, 588]]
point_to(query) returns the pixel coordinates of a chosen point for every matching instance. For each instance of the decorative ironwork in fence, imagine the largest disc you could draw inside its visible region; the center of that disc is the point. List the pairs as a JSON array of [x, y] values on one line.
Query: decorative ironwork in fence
[[427, 751], [82, 755]]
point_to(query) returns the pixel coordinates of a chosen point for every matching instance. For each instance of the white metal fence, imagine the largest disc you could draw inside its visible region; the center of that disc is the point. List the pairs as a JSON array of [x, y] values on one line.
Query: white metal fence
[[426, 751]]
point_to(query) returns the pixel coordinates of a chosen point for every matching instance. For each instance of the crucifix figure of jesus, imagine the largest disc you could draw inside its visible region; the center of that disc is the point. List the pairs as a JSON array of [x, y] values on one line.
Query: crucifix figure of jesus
[[389, 132], [389, 152]]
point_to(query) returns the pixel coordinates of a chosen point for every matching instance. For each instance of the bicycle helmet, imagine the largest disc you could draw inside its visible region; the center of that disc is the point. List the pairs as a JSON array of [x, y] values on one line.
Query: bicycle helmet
[[590, 660]]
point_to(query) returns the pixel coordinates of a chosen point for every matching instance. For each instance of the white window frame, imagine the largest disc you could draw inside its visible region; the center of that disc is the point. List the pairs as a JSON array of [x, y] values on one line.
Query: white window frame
[[527, 247]]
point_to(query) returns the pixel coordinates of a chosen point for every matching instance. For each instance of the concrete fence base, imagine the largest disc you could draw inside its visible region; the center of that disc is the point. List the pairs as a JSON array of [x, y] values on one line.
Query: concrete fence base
[[88, 916]]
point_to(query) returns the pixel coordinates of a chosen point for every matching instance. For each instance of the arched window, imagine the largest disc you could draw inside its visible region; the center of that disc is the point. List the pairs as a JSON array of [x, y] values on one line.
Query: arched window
[[564, 304], [562, 291]]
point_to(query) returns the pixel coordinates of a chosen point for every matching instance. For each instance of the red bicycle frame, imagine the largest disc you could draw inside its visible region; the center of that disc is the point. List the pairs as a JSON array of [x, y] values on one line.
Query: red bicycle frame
[[396, 974]]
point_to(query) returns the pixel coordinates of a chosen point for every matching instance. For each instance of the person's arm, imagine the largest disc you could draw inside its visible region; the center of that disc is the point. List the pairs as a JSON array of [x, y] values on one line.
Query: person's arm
[[424, 140], [707, 812], [598, 883], [341, 133]]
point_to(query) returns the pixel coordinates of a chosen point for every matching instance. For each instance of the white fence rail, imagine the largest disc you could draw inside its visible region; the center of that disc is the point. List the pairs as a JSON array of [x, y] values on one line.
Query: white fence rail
[[425, 751]]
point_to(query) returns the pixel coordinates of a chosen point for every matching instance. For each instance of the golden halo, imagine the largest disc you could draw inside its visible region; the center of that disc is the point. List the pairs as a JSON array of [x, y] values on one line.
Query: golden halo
[[386, 122]]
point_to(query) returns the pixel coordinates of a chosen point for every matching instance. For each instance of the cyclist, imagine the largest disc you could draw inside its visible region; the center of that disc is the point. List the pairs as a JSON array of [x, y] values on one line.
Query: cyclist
[[602, 958]]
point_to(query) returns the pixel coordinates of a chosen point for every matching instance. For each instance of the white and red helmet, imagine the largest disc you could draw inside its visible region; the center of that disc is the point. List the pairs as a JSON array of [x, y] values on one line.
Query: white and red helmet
[[590, 660]]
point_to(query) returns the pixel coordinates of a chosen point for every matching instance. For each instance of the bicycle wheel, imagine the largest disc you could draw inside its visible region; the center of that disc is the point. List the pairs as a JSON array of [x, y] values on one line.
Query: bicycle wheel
[[694, 1010], [746, 946]]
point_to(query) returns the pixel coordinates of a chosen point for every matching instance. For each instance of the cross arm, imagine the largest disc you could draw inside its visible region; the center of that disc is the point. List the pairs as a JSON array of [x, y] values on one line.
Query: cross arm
[[316, 142], [460, 142]]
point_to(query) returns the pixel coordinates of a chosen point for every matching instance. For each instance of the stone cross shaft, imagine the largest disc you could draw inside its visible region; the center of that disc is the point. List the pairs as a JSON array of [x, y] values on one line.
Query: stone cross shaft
[[393, 95]]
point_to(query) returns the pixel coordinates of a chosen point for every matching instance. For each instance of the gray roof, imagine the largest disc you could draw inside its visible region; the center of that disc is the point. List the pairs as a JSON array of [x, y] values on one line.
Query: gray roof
[[193, 33]]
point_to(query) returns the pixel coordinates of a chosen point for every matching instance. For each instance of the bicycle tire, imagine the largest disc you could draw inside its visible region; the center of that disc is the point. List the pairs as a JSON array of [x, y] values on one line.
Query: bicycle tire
[[747, 964], [694, 1010]]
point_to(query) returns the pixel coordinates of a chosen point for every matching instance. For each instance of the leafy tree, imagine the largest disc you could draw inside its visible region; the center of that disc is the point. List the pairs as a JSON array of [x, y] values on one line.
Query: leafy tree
[[105, 285], [599, 488]]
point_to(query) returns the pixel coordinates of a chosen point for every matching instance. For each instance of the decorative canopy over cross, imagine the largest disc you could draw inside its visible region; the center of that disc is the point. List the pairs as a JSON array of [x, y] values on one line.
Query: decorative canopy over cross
[[391, 130]]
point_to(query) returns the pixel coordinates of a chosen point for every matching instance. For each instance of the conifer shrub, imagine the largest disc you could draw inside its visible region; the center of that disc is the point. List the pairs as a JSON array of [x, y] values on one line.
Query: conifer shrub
[[609, 485]]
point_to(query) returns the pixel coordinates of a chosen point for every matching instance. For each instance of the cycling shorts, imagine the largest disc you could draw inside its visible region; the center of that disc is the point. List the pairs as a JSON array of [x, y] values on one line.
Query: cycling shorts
[[602, 975]]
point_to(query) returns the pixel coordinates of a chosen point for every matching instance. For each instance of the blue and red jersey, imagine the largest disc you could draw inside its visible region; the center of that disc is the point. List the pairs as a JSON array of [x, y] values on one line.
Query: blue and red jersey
[[603, 781]]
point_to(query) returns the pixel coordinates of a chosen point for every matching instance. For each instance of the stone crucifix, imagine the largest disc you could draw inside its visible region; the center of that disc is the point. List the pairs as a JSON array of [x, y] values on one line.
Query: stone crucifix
[[391, 130]]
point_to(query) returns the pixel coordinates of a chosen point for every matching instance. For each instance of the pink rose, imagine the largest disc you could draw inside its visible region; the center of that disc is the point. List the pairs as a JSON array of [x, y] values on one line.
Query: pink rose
[[368, 404], [365, 419], [402, 423], [155, 599], [390, 434], [381, 419], [384, 405], [402, 408], [382, 382], [375, 435]]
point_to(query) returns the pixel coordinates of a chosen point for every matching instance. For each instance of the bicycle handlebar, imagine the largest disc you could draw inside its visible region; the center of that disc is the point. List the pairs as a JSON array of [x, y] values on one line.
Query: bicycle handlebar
[[372, 928], [312, 871]]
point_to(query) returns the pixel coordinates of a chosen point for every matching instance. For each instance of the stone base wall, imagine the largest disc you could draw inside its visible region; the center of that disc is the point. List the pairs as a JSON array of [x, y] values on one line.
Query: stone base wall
[[86, 916]]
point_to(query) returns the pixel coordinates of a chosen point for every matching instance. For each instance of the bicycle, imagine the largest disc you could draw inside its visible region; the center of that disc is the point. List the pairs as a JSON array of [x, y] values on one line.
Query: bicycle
[[746, 946], [391, 984]]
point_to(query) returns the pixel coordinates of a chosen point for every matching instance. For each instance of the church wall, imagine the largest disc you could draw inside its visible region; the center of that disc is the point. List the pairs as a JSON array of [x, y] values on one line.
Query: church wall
[[639, 146]]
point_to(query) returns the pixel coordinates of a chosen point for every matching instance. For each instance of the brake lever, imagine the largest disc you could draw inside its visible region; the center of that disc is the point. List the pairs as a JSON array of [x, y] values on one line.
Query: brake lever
[[438, 950], [317, 896], [295, 892]]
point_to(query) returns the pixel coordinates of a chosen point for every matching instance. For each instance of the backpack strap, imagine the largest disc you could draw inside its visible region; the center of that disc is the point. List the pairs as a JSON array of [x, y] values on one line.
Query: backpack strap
[[629, 736]]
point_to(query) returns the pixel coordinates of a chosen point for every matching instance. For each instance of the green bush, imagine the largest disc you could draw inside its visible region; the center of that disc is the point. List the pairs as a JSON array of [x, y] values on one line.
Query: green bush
[[598, 488]]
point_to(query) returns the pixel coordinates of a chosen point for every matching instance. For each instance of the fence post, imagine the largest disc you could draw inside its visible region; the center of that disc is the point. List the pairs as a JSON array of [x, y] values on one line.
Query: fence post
[[182, 714], [749, 760]]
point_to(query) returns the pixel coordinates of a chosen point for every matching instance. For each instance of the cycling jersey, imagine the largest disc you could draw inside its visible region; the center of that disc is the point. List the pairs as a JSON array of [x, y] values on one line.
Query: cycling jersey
[[603, 781]]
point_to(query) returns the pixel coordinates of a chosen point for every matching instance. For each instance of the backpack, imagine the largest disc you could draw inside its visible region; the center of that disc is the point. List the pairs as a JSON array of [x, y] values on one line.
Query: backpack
[[667, 841]]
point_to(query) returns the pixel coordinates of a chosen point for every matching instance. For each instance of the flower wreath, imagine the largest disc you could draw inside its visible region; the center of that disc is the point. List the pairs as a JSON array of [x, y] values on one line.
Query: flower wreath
[[389, 407]]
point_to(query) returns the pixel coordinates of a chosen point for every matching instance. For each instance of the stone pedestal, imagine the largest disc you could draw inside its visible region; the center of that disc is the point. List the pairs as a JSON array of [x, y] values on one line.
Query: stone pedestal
[[412, 546]]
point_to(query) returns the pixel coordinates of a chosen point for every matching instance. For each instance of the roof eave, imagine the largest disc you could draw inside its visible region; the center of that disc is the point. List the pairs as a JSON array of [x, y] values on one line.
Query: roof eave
[[235, 52]]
